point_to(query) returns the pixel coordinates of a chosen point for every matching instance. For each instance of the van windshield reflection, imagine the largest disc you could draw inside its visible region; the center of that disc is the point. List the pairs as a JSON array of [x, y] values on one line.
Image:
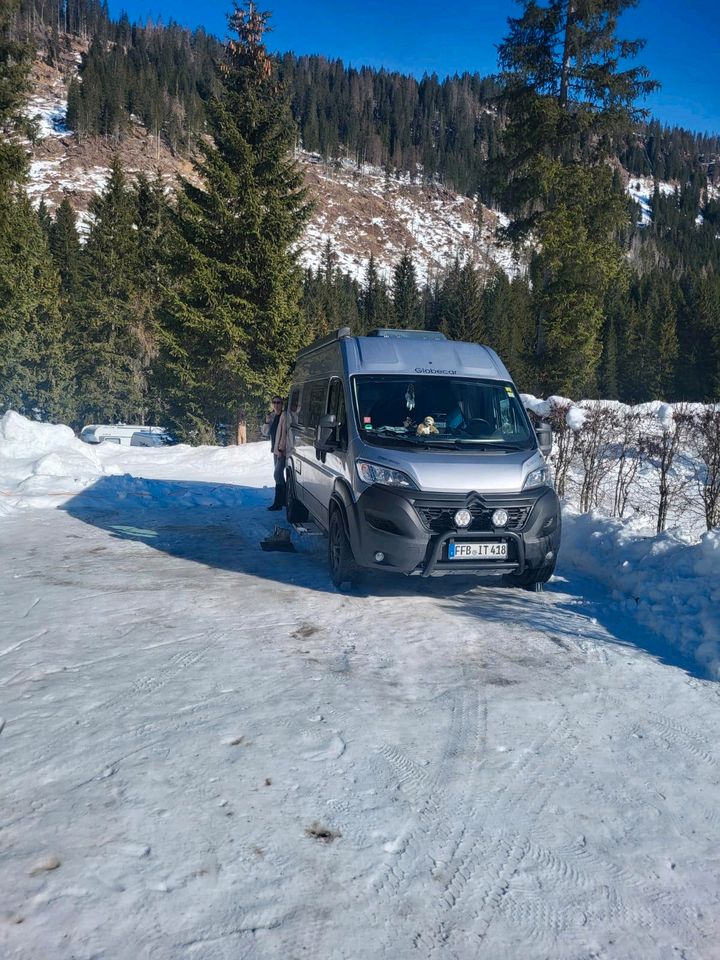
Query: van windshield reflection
[[442, 412]]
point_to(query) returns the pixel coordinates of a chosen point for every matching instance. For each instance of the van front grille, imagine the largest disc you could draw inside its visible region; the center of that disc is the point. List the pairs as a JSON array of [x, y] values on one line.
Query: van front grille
[[440, 517]]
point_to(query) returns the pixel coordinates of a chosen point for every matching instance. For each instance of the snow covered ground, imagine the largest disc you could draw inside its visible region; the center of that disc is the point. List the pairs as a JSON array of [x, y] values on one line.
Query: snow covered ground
[[208, 753], [50, 115], [641, 190]]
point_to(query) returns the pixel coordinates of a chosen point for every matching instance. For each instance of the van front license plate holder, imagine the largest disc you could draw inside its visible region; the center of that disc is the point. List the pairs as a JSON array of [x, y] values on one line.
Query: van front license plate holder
[[479, 550]]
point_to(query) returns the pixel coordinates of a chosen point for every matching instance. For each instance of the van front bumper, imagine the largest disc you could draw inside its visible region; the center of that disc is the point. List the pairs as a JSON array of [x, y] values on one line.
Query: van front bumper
[[412, 530]]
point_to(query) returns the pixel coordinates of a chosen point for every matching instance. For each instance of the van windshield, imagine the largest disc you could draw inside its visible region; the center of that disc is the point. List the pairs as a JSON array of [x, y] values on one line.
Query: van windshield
[[441, 411]]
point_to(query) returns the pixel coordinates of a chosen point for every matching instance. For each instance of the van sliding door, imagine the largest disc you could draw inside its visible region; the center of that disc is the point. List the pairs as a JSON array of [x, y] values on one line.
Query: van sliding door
[[310, 483]]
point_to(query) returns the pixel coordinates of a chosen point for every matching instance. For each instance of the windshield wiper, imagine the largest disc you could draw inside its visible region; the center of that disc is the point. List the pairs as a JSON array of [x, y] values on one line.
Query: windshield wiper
[[474, 445], [491, 445], [387, 434]]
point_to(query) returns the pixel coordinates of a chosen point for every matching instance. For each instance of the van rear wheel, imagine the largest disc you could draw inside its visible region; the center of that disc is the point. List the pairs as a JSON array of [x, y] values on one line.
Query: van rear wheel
[[343, 569]]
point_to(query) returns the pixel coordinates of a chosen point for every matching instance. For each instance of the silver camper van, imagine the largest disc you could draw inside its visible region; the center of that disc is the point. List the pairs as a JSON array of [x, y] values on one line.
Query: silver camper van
[[415, 454]]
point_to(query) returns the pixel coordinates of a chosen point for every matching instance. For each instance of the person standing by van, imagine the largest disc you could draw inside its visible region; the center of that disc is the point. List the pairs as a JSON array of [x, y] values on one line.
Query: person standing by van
[[277, 431]]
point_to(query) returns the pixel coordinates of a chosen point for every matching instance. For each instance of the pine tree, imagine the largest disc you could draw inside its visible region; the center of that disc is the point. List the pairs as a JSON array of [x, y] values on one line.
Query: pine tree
[[609, 387], [566, 98], [510, 328], [65, 246], [463, 307], [43, 215], [109, 337], [14, 71], [375, 306], [35, 375], [230, 321], [405, 294]]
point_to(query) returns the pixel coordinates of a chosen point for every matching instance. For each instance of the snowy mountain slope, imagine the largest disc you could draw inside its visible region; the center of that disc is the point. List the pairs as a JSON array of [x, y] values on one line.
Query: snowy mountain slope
[[363, 210], [61, 164], [209, 753], [360, 210]]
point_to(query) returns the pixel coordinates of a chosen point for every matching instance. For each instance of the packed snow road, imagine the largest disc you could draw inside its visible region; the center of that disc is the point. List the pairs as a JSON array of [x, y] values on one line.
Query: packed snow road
[[208, 753]]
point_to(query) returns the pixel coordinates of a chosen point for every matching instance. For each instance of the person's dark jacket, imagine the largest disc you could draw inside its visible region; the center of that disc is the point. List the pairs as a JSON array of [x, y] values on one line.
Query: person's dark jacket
[[273, 429]]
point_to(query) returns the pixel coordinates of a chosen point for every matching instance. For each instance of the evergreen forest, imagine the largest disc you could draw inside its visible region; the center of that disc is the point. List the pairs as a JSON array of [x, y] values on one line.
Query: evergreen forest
[[184, 309]]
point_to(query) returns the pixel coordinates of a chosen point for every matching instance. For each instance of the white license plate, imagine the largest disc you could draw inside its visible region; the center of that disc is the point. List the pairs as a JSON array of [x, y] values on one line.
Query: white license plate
[[478, 551]]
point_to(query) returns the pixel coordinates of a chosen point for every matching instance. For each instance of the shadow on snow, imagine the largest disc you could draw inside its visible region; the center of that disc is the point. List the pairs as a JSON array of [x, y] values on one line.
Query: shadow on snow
[[221, 525]]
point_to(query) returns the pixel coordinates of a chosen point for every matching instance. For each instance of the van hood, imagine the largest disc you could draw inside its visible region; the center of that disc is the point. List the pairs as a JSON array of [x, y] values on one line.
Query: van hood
[[459, 471]]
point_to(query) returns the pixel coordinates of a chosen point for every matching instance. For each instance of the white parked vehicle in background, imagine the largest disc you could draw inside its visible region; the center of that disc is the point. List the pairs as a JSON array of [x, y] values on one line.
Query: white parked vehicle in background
[[126, 435]]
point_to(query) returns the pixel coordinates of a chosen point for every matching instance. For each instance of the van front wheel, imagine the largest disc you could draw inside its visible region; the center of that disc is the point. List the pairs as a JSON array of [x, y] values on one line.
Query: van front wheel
[[532, 579], [343, 569]]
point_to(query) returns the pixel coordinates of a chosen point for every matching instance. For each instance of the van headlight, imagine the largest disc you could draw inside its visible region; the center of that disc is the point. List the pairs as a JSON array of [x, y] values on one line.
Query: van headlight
[[374, 473], [537, 478]]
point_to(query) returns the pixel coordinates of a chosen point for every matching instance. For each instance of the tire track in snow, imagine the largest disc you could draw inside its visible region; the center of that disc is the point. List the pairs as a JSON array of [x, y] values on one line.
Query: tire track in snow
[[487, 862], [104, 767], [437, 808], [563, 871], [678, 735]]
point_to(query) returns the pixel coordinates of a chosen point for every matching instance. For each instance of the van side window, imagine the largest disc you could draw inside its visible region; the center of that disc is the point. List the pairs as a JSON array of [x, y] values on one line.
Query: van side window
[[294, 406], [336, 405], [315, 407]]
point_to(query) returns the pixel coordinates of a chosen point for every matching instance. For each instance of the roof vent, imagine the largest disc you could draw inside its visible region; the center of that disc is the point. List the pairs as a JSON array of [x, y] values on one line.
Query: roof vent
[[407, 334]]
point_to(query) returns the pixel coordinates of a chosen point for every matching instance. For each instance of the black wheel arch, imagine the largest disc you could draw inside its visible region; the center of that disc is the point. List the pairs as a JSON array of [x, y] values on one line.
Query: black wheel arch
[[342, 499]]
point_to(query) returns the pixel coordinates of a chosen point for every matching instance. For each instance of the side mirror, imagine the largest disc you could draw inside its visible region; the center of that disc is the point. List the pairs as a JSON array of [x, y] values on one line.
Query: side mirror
[[544, 435], [326, 434]]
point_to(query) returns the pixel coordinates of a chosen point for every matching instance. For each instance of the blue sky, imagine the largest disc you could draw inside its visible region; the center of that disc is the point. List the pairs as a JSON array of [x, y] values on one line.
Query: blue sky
[[682, 52]]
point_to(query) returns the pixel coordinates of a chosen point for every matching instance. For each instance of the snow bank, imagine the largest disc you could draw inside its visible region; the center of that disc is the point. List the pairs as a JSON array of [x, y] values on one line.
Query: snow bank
[[670, 585], [20, 437], [45, 465], [42, 464], [652, 410]]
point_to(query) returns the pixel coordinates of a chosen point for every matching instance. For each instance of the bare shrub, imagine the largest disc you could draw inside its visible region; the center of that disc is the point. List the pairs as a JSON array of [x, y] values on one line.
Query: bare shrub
[[596, 448], [663, 448], [705, 433], [563, 446], [631, 453]]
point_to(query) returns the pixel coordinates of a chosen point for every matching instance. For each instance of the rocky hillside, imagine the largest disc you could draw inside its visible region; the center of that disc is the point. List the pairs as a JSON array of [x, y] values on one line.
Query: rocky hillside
[[359, 210]]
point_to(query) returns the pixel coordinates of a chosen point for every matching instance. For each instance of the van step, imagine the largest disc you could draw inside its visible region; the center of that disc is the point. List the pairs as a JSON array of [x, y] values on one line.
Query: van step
[[308, 528]]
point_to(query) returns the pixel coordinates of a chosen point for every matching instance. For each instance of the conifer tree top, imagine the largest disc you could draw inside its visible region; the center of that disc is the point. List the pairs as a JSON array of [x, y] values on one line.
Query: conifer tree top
[[568, 52], [248, 52]]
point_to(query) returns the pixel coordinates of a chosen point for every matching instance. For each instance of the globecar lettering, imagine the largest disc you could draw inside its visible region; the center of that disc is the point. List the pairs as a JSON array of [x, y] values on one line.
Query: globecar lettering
[[447, 373]]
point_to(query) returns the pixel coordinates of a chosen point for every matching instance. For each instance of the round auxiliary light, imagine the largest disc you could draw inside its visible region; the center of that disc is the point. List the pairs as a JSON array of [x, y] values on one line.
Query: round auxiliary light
[[379, 556], [463, 518], [500, 518]]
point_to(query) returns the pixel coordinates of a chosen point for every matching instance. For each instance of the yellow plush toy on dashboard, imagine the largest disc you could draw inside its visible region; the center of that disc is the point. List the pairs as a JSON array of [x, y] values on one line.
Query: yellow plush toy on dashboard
[[426, 427]]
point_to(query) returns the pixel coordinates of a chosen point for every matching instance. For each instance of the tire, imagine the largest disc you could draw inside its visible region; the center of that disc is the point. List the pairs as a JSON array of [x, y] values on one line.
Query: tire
[[531, 579], [296, 512], [343, 569]]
